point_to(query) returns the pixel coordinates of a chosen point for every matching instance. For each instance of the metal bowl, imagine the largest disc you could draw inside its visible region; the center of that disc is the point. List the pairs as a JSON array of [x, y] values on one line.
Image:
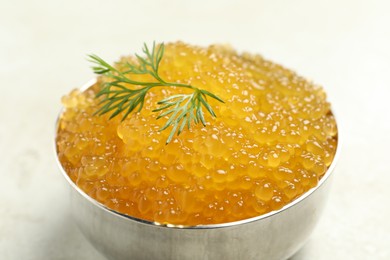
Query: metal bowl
[[275, 235]]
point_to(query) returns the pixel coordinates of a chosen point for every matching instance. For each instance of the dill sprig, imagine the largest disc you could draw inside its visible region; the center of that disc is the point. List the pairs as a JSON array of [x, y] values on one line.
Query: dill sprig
[[181, 109]]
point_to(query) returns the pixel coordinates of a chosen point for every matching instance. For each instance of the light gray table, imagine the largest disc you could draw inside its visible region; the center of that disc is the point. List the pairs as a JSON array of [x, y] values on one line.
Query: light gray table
[[343, 45]]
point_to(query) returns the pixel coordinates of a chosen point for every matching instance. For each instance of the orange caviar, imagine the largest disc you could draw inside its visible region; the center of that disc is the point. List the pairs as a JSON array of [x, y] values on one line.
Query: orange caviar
[[272, 140]]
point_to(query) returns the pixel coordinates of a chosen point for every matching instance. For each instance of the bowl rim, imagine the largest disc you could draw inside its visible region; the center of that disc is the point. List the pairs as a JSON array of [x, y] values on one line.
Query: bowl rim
[[94, 202]]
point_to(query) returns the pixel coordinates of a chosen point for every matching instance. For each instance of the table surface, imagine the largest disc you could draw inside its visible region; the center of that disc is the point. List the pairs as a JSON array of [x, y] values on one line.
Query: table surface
[[343, 45]]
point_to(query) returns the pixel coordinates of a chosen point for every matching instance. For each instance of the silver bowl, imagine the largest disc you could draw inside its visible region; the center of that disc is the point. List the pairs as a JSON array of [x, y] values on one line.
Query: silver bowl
[[275, 235]]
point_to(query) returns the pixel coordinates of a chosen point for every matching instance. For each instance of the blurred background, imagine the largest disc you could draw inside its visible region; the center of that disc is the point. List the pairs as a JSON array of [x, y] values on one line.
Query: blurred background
[[342, 45]]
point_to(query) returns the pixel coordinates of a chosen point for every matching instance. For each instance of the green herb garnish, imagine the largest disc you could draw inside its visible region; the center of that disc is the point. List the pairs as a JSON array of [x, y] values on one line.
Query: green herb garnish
[[182, 109]]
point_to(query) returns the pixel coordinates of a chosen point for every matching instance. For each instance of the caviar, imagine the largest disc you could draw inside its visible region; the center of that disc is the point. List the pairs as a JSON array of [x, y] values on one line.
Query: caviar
[[272, 140]]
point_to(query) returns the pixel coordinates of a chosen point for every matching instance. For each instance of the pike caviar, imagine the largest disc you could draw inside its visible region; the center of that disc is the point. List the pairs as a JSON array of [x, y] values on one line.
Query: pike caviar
[[272, 140]]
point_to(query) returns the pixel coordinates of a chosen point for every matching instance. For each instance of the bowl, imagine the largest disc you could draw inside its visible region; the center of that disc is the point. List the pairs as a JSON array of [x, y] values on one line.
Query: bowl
[[275, 235]]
